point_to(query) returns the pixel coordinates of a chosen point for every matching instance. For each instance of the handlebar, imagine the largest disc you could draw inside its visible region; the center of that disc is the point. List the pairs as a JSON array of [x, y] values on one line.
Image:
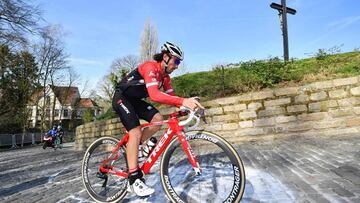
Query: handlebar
[[191, 115], [199, 113]]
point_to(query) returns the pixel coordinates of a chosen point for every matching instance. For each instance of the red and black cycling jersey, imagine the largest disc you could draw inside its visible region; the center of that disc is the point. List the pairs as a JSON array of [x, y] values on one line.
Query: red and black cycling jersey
[[145, 81]]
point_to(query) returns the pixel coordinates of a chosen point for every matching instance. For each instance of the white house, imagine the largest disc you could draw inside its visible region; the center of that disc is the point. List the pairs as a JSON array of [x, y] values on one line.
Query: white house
[[68, 105]]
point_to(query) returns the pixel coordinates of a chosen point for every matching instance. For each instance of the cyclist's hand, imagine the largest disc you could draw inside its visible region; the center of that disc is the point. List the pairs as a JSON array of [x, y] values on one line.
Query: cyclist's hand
[[192, 103], [198, 102]]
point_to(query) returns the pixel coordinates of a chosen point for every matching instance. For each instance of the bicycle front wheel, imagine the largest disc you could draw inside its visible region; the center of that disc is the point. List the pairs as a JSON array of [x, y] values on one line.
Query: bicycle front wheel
[[104, 187], [222, 177]]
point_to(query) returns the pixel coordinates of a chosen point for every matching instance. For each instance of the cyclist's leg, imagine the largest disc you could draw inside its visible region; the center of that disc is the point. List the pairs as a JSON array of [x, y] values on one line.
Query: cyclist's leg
[[53, 141], [150, 131], [126, 111], [149, 113], [136, 181], [132, 148]]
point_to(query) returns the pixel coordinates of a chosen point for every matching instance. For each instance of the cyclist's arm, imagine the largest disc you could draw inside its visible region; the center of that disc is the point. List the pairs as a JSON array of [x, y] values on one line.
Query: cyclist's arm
[[160, 97], [152, 85], [167, 86]]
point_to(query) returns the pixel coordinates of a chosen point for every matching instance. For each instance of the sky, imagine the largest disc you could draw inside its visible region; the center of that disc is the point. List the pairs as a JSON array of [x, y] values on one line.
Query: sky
[[210, 32]]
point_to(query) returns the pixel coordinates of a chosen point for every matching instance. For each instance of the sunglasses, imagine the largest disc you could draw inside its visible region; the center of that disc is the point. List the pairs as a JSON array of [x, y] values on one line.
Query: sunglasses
[[177, 61]]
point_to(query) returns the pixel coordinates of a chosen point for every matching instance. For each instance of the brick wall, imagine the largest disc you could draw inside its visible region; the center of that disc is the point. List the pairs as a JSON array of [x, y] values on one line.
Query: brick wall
[[327, 107]]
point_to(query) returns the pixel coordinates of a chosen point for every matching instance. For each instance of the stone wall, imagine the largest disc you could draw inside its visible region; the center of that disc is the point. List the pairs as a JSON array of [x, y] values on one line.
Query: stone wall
[[320, 108]]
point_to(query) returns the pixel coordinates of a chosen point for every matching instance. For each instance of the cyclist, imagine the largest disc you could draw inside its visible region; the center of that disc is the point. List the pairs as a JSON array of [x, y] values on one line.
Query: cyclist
[[60, 133], [145, 81], [52, 133]]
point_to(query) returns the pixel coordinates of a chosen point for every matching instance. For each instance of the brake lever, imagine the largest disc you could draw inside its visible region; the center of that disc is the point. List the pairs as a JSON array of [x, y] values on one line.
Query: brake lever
[[201, 111], [202, 114]]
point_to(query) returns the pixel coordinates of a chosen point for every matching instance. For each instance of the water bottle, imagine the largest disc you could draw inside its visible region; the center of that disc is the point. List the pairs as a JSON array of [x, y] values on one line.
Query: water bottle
[[149, 146], [140, 152]]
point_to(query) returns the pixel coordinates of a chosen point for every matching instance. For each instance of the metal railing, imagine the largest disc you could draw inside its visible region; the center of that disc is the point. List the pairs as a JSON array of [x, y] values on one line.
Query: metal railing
[[19, 140]]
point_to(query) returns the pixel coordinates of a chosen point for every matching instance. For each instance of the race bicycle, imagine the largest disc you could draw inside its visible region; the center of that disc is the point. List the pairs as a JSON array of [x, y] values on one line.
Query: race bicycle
[[198, 166], [54, 142]]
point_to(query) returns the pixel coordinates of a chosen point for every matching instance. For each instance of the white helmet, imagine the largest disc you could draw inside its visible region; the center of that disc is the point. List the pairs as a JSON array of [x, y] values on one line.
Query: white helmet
[[174, 50]]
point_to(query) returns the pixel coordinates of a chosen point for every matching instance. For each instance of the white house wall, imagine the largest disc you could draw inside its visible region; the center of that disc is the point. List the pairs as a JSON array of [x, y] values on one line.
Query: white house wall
[[58, 106]]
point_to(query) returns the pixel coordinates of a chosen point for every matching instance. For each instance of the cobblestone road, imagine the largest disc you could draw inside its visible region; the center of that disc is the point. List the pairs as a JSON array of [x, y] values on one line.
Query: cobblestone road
[[290, 169]]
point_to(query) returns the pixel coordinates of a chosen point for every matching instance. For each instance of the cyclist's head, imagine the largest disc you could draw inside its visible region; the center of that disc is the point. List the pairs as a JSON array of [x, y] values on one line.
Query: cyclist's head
[[54, 127], [172, 49], [59, 127], [171, 55]]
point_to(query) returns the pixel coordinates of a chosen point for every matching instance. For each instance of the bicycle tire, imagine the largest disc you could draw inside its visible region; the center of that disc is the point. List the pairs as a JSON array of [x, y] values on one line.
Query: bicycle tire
[[180, 182], [96, 153]]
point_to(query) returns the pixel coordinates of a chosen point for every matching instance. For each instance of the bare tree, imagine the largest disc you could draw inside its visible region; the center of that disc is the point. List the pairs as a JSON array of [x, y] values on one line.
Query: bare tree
[[71, 79], [17, 18], [84, 88], [51, 58], [149, 41], [106, 88], [130, 62], [95, 96], [119, 68], [122, 65]]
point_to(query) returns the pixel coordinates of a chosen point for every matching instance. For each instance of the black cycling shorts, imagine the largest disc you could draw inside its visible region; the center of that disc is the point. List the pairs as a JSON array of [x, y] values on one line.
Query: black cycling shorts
[[131, 109]]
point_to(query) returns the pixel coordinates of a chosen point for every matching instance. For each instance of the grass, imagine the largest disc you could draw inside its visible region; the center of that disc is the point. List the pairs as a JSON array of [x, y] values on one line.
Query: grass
[[258, 74]]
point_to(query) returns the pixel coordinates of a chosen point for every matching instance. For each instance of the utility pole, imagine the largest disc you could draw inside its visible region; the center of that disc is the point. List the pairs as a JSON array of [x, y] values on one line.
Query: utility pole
[[283, 11]]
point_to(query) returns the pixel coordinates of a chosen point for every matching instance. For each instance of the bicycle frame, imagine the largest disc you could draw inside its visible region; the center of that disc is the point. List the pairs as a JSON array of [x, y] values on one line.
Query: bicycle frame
[[165, 139]]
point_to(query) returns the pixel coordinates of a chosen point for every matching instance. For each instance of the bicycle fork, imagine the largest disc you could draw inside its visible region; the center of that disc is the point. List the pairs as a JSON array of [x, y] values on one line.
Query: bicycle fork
[[189, 152]]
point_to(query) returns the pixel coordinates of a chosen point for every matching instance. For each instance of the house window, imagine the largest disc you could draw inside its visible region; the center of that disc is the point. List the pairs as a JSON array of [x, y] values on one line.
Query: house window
[[80, 113], [30, 123], [56, 112], [47, 113], [47, 100], [29, 112], [66, 112]]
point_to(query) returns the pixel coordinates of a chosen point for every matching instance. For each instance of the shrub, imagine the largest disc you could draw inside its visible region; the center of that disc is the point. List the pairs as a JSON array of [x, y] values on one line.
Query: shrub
[[110, 113], [88, 116]]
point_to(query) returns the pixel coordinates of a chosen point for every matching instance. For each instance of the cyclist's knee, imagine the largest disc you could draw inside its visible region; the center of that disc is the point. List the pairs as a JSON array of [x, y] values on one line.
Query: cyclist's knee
[[135, 132], [157, 118]]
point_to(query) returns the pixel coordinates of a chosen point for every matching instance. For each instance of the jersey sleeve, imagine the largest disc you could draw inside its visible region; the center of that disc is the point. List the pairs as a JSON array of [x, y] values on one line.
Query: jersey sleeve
[[167, 86], [151, 77]]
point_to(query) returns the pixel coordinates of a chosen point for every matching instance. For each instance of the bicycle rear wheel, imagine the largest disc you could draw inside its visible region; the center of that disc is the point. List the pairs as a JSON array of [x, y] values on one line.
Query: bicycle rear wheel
[[222, 176], [104, 187]]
